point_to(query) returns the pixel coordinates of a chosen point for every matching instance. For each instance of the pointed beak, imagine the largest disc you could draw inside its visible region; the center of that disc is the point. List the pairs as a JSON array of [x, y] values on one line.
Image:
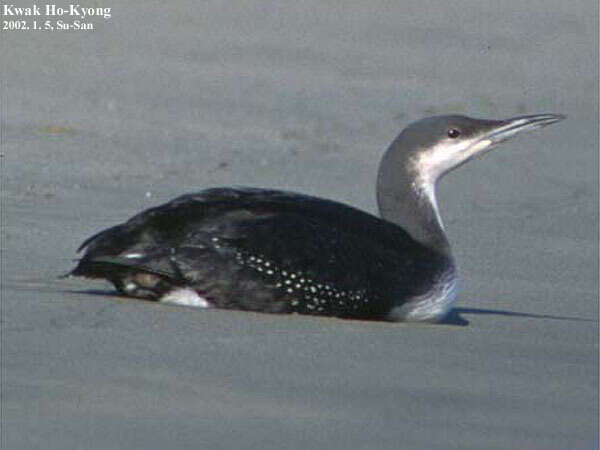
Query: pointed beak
[[509, 128], [501, 130]]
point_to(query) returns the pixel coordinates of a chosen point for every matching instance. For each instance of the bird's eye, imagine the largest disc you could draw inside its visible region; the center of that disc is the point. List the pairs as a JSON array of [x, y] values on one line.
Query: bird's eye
[[453, 133]]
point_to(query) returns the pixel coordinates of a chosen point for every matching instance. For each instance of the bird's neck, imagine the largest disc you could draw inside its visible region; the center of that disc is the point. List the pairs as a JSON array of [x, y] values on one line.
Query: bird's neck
[[408, 199]]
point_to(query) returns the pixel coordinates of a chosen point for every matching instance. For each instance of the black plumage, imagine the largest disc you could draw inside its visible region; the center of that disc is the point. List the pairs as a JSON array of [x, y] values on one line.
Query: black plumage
[[264, 250], [274, 251]]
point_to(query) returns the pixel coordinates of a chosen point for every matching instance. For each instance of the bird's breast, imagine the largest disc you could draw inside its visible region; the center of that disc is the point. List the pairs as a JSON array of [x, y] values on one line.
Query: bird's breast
[[431, 306]]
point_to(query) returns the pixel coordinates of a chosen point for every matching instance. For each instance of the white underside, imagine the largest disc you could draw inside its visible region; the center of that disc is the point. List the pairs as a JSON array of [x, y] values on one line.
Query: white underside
[[185, 297], [430, 307]]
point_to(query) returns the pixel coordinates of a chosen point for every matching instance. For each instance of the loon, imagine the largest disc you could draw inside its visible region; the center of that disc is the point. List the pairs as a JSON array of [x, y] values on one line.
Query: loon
[[282, 252]]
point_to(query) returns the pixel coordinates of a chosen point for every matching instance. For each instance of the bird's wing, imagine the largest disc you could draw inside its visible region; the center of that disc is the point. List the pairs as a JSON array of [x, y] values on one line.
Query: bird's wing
[[274, 231]]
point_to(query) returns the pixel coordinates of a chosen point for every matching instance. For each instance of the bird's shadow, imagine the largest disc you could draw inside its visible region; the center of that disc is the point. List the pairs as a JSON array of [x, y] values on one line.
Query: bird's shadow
[[454, 317], [107, 293]]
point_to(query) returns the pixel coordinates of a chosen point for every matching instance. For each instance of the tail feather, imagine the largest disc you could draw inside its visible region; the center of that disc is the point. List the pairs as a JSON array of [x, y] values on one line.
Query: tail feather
[[108, 233], [104, 266]]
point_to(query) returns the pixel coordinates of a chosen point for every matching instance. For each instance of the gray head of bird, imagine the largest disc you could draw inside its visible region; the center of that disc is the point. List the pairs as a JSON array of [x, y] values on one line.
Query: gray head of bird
[[436, 145], [426, 150]]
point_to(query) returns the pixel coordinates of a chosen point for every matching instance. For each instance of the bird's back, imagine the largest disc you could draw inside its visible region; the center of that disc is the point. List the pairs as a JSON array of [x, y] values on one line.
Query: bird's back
[[264, 250]]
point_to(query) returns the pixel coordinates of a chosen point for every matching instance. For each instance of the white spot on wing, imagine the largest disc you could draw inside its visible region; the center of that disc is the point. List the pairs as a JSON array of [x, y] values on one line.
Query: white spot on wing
[[133, 255], [185, 297]]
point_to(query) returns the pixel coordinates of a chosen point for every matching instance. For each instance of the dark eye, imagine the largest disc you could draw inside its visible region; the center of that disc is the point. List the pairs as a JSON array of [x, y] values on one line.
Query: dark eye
[[453, 133]]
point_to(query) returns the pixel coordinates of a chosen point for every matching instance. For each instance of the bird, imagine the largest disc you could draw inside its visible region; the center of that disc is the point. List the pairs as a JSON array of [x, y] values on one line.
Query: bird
[[274, 251]]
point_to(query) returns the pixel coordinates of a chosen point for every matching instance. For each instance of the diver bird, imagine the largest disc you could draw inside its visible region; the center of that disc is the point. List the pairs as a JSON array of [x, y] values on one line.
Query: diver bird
[[283, 252]]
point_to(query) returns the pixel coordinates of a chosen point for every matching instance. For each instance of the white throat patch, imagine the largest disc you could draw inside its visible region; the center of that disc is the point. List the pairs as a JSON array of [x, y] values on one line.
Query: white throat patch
[[427, 188]]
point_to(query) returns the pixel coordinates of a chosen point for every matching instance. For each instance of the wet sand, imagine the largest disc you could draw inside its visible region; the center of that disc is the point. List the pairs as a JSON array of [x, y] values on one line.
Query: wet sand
[[163, 99]]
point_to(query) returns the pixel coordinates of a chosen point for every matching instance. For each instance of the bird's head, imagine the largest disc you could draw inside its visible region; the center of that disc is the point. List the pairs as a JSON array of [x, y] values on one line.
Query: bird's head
[[436, 145]]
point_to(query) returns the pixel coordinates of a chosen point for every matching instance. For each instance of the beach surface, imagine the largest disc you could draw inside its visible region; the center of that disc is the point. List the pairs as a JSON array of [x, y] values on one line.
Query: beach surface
[[165, 98]]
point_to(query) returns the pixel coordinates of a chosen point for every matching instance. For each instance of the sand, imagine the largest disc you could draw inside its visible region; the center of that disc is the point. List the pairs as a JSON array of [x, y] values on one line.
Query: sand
[[162, 99]]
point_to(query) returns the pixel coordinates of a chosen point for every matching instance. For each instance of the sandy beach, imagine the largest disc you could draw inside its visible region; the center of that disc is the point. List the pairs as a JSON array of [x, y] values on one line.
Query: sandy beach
[[161, 99]]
